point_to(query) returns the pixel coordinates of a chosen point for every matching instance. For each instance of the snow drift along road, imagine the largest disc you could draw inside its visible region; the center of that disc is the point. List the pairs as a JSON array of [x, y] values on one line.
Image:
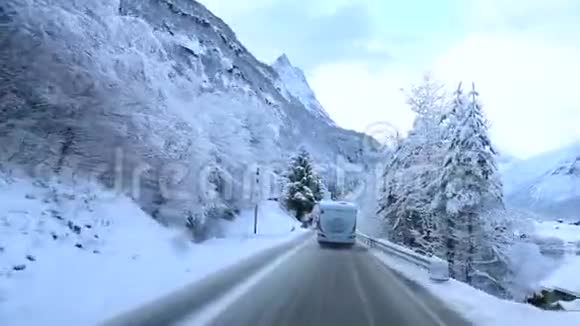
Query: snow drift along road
[[85, 244]]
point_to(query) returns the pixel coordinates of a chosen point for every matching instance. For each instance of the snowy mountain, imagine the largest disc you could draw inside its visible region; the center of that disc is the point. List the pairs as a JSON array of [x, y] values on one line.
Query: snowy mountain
[[155, 98], [296, 85], [548, 183]]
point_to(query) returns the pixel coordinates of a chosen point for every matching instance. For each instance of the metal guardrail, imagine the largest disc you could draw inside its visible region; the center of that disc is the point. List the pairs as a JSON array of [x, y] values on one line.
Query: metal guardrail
[[438, 268]]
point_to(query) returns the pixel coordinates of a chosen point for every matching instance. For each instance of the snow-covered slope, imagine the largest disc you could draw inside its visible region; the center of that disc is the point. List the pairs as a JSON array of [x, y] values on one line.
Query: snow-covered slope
[[272, 221], [476, 306], [78, 254], [567, 233], [566, 276], [296, 85], [548, 184]]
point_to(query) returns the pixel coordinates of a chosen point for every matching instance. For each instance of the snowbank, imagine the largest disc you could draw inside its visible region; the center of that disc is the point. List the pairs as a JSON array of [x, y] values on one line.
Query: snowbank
[[480, 307], [566, 276], [89, 255], [272, 221], [564, 231]]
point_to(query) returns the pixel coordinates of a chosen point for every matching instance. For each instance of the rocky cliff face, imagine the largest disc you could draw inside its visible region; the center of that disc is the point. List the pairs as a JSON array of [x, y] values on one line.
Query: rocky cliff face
[[157, 98], [295, 87]]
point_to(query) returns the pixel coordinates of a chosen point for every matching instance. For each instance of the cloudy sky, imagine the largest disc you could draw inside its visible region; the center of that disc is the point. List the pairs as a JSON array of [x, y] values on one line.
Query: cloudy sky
[[523, 55]]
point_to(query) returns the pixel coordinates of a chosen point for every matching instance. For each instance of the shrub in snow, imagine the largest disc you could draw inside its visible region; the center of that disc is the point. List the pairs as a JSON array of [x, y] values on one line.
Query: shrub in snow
[[195, 223], [204, 224]]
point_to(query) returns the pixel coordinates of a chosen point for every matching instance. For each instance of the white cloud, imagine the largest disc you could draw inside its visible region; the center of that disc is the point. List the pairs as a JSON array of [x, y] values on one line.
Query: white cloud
[[330, 7], [356, 95], [505, 12], [230, 8], [528, 85], [523, 55]]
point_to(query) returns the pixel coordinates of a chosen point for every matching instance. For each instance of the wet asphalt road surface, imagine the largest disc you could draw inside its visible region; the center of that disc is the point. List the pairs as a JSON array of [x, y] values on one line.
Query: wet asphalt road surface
[[336, 286]]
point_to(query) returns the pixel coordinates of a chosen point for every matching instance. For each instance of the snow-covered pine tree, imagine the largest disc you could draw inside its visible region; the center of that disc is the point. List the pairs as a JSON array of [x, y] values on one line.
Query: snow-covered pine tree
[[303, 185], [468, 185]]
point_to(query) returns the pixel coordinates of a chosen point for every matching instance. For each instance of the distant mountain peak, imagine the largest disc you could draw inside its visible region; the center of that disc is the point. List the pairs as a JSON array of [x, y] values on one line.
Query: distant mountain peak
[[283, 60], [297, 86], [548, 183]]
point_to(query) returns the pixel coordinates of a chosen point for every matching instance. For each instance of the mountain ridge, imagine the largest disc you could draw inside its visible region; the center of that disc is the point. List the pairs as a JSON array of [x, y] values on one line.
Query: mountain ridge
[[149, 88], [297, 85], [548, 183]]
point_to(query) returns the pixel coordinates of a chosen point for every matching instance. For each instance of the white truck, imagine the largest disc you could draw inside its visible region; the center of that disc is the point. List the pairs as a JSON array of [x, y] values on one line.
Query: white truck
[[336, 222]]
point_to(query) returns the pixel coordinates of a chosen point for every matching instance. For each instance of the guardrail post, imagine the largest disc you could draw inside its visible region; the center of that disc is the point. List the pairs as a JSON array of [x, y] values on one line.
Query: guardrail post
[[438, 270]]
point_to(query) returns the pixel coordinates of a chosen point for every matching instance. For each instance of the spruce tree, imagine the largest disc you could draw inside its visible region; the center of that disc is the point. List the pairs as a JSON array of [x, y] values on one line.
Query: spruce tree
[[469, 183], [303, 185]]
